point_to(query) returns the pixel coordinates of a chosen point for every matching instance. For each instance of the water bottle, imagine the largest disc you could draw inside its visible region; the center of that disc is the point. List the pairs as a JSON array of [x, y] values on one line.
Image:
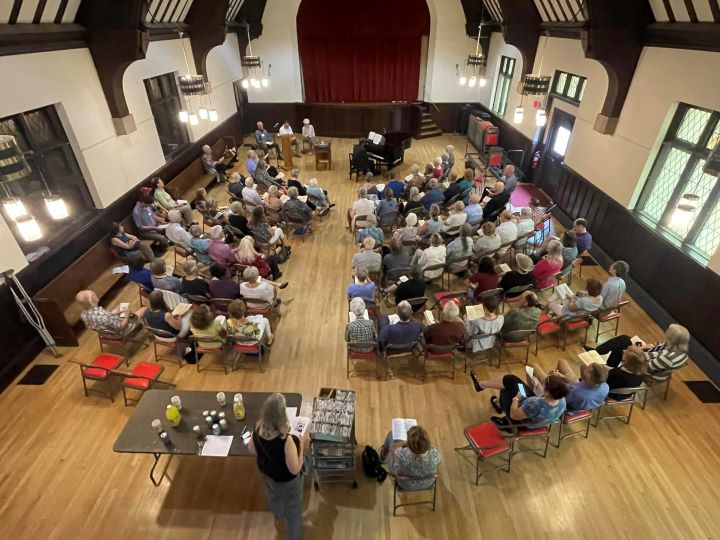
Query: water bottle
[[238, 407], [198, 432], [209, 420], [216, 429], [175, 400], [157, 425], [223, 425], [214, 415], [221, 399], [173, 415]]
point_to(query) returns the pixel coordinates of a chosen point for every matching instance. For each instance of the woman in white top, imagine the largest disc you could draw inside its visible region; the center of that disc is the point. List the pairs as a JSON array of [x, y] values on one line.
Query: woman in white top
[[459, 250], [308, 131], [255, 288], [457, 216], [431, 256], [409, 231], [488, 242], [525, 223], [614, 288], [432, 225]]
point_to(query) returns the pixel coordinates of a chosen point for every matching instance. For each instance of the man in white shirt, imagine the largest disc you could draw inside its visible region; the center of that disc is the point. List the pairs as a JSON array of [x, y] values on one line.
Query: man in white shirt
[[361, 207], [525, 223], [175, 232], [456, 218], [308, 132], [507, 230], [250, 194], [285, 129]]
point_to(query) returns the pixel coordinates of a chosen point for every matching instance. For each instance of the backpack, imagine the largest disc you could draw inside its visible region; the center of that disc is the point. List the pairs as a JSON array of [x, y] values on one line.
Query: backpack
[[372, 466]]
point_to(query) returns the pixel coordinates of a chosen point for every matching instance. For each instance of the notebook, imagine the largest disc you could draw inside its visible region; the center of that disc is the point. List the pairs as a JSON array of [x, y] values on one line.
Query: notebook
[[474, 312], [400, 427]]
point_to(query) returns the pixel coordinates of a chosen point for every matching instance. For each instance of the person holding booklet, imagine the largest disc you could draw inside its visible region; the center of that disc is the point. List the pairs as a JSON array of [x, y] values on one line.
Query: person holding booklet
[[630, 372], [488, 323], [518, 278], [449, 331], [360, 328], [403, 331], [280, 456], [410, 455], [525, 317], [564, 303], [584, 393]]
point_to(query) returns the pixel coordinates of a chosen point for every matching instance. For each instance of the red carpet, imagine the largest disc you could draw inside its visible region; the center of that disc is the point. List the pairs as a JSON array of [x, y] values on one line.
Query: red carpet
[[524, 192]]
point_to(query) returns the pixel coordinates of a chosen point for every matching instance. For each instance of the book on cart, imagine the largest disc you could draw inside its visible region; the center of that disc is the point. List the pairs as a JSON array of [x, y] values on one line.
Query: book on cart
[[400, 427]]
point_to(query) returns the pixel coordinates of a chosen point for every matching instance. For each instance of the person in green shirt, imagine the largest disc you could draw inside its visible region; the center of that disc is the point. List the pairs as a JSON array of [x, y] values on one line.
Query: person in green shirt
[[165, 200], [526, 317]]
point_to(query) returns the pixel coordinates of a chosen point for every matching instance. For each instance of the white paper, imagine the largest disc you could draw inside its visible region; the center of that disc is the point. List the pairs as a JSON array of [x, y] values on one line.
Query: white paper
[[181, 201], [217, 445], [124, 307], [380, 187], [485, 200], [429, 317], [504, 268], [371, 135], [394, 318], [593, 357], [280, 176], [291, 414], [352, 317], [121, 269], [474, 312], [284, 198], [637, 339], [299, 426], [400, 428], [162, 226], [402, 279], [181, 309], [377, 139], [408, 177], [564, 291], [302, 198], [529, 370]]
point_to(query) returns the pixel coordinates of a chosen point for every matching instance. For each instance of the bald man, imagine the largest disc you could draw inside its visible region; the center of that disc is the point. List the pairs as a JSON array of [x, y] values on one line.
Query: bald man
[[99, 319], [509, 178]]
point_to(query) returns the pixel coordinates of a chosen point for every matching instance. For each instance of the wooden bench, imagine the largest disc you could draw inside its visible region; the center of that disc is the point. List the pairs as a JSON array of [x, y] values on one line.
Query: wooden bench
[[56, 301], [194, 176]]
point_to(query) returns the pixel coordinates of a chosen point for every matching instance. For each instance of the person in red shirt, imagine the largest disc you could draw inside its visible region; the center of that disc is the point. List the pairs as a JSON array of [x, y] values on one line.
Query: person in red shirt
[[449, 331], [484, 279]]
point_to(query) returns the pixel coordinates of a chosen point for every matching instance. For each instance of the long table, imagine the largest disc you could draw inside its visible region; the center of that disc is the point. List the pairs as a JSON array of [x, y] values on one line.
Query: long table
[[138, 436]]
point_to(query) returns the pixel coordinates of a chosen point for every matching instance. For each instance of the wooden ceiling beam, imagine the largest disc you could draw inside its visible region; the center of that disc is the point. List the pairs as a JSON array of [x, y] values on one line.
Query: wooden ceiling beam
[[614, 37], [207, 29], [521, 28], [116, 39]]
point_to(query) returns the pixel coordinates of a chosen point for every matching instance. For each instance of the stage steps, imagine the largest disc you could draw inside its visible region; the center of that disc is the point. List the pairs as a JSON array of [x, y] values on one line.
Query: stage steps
[[428, 128]]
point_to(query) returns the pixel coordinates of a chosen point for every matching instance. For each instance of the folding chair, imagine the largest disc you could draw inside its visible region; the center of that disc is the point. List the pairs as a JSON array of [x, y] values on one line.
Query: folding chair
[[358, 350], [202, 345], [163, 338], [459, 266], [395, 274], [514, 295], [417, 304], [182, 251], [255, 306], [398, 351], [521, 434], [220, 305], [443, 297], [433, 268], [490, 293], [441, 353], [118, 340], [143, 293], [545, 327], [573, 417], [487, 351], [609, 315], [397, 490], [198, 299], [244, 346], [100, 370], [632, 395], [388, 220], [141, 378], [581, 319], [517, 339], [486, 442], [550, 288]]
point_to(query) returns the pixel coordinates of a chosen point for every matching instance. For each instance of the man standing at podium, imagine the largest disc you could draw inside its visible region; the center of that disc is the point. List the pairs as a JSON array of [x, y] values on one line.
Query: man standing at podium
[[265, 141], [285, 129]]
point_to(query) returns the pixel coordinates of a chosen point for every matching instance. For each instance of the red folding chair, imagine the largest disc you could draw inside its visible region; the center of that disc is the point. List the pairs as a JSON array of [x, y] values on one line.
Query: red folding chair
[[357, 350], [141, 378], [486, 442], [247, 347], [445, 354], [100, 370], [570, 418]]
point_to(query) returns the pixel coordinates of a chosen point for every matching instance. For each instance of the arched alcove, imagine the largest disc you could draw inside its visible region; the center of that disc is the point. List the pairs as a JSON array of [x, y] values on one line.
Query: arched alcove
[[367, 51]]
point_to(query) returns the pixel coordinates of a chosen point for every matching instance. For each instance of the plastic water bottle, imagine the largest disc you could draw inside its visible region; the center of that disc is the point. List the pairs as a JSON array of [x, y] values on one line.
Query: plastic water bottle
[[221, 399], [238, 407], [223, 425], [173, 415], [175, 400], [157, 425], [209, 420], [216, 429]]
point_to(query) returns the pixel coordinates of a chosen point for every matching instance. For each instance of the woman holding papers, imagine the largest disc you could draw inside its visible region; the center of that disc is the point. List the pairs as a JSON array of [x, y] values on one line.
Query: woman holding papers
[[280, 456], [449, 331], [546, 268], [486, 324], [564, 305], [411, 457]]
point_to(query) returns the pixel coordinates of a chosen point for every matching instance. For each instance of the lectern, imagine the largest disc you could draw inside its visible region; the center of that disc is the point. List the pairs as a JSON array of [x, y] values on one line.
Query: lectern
[[286, 150]]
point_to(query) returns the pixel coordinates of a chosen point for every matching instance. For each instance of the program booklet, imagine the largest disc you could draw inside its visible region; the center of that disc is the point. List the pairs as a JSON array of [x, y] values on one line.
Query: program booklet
[[400, 427], [593, 357], [564, 291], [503, 268], [352, 317], [429, 317], [394, 318], [181, 309], [474, 312]]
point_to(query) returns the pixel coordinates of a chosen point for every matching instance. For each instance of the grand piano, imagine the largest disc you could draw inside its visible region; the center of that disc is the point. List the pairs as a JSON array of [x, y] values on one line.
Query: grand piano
[[391, 149]]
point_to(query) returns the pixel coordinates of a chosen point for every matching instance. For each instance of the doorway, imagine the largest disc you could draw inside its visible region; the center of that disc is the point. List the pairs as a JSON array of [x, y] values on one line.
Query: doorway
[[558, 137]]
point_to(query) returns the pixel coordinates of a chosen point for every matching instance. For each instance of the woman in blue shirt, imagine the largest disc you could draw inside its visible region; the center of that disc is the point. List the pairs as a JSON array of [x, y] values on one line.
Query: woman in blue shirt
[[614, 288], [138, 273]]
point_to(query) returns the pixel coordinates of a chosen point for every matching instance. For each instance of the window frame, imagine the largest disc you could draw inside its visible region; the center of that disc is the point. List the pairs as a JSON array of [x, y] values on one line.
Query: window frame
[[165, 111], [506, 72], [564, 92], [696, 152]]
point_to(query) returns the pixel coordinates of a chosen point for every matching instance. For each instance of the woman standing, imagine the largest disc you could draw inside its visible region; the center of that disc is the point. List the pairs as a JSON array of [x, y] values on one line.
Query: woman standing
[[280, 459]]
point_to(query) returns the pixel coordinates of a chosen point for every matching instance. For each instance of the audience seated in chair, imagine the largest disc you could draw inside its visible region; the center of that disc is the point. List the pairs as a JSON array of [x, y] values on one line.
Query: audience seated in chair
[[387, 204], [434, 196], [222, 284], [137, 271], [546, 268], [584, 238], [361, 207], [371, 230], [362, 286], [410, 231], [126, 244], [413, 461], [206, 205], [175, 231], [525, 317], [395, 258], [532, 411], [433, 225], [236, 218], [367, 257], [395, 185], [413, 287], [251, 162], [483, 280], [191, 283], [259, 289], [147, 222], [437, 170], [525, 223], [491, 323], [204, 324], [431, 256], [317, 197], [159, 317], [250, 194], [262, 231], [265, 141], [215, 167], [218, 250], [509, 178], [454, 188], [497, 203], [252, 327], [629, 373], [236, 183], [160, 279], [295, 209], [370, 187], [450, 330], [263, 177], [406, 330], [271, 199], [360, 330], [456, 218], [614, 288], [167, 203], [488, 242], [267, 265], [459, 250], [586, 392], [199, 244], [507, 230], [414, 202], [663, 358], [473, 210], [521, 277], [99, 319], [582, 301]]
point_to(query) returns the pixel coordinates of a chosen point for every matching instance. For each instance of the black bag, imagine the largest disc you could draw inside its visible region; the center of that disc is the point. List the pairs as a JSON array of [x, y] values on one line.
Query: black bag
[[372, 466], [282, 255]]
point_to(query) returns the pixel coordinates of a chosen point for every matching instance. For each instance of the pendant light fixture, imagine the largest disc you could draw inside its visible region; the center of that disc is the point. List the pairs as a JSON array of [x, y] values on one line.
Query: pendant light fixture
[[537, 85], [475, 62], [13, 207], [519, 114], [685, 210], [255, 77], [28, 228], [191, 85], [540, 118]]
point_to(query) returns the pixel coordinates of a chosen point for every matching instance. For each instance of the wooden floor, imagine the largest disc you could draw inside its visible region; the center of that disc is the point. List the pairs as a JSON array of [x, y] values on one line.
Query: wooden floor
[[59, 478]]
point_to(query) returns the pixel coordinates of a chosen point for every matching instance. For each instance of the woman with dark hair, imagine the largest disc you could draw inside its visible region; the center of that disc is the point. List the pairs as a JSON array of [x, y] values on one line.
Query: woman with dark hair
[[569, 250], [484, 279], [126, 244], [158, 315], [204, 324], [138, 273], [531, 411], [222, 284]]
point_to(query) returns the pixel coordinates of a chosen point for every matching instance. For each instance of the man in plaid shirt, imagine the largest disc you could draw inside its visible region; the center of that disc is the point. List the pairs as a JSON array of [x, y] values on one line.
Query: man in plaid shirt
[[360, 330]]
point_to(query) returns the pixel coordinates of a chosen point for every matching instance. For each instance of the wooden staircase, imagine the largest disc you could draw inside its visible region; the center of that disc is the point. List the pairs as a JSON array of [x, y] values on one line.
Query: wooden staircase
[[428, 128]]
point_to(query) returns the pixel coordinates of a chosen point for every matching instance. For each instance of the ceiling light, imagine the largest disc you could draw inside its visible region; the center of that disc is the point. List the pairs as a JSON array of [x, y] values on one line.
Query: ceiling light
[[540, 118], [13, 207], [28, 228], [193, 119], [56, 207], [203, 113], [213, 115], [183, 116]]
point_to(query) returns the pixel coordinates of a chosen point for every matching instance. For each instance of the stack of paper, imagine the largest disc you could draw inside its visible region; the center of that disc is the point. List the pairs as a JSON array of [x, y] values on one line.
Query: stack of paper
[[474, 312], [217, 445]]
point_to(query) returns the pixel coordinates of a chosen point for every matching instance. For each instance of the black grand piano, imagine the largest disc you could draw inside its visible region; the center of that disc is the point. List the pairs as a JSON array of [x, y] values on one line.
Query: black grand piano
[[389, 151]]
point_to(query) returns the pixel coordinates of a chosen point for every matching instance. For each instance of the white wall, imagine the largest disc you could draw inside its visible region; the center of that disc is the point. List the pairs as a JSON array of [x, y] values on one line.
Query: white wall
[[111, 164]]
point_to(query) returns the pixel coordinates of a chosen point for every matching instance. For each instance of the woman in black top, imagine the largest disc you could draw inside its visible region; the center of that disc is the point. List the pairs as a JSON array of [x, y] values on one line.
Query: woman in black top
[[629, 373], [280, 459], [158, 315], [518, 278], [191, 283]]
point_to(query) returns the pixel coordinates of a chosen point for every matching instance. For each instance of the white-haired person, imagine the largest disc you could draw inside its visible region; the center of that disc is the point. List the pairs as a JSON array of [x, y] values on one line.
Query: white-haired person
[[250, 194], [258, 289], [263, 177], [271, 199], [456, 218], [367, 257], [199, 244], [280, 457], [236, 183], [99, 319], [433, 255], [267, 265], [473, 210], [444, 157], [295, 209], [175, 231], [318, 196], [360, 330], [167, 203], [213, 166], [361, 207], [437, 171], [410, 231], [371, 230], [525, 222], [218, 250], [450, 151], [308, 132], [262, 231], [403, 332], [450, 330], [414, 201], [506, 229]]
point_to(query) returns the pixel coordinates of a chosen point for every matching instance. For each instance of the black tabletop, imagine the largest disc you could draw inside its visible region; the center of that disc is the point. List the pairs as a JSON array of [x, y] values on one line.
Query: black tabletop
[[139, 437]]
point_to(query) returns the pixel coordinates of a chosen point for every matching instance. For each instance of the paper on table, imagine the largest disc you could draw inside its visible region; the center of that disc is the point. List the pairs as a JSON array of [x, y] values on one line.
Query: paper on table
[[400, 428], [217, 445], [121, 269], [474, 312], [394, 318], [352, 317]]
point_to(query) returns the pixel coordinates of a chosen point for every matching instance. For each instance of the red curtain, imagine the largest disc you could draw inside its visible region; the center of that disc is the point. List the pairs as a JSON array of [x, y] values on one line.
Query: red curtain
[[369, 52]]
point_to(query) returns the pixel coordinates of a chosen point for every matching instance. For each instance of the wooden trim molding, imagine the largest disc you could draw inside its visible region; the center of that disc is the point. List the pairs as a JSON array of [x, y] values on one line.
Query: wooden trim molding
[[206, 25], [521, 28], [694, 36], [32, 38]]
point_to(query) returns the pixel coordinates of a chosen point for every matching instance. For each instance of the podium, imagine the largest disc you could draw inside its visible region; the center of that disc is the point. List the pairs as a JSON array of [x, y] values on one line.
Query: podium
[[286, 150]]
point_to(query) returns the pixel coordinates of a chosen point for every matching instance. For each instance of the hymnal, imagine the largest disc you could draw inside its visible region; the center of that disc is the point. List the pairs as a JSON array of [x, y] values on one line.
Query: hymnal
[[352, 317], [564, 291], [181, 309], [400, 427], [474, 312], [429, 317]]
